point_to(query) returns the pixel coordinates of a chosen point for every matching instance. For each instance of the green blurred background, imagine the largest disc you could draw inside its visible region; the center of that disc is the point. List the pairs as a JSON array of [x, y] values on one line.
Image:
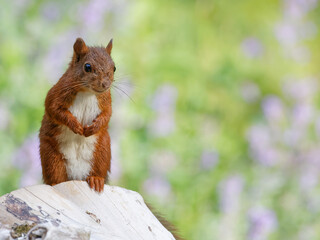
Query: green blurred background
[[217, 122]]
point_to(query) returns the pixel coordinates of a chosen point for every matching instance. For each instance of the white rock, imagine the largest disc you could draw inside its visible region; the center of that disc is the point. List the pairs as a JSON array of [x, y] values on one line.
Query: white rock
[[71, 210]]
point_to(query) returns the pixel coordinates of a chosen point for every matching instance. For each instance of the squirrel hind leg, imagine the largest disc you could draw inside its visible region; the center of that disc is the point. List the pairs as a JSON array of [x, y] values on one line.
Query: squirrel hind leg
[[53, 164]]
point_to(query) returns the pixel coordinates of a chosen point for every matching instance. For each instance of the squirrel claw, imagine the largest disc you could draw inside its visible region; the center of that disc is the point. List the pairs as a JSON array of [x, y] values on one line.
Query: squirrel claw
[[96, 183], [78, 130]]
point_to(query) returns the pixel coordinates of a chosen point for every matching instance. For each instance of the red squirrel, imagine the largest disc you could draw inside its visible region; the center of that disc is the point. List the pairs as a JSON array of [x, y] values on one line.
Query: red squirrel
[[74, 138]]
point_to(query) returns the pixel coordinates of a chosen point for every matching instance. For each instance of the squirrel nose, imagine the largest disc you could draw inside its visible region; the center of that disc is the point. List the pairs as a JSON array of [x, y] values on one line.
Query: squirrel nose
[[104, 85]]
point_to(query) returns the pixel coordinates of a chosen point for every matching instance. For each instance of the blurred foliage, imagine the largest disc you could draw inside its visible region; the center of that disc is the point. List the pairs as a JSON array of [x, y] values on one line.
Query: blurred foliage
[[222, 130]]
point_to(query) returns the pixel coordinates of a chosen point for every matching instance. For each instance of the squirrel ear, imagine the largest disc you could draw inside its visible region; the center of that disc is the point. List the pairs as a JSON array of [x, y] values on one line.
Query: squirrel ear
[[80, 47], [109, 47]]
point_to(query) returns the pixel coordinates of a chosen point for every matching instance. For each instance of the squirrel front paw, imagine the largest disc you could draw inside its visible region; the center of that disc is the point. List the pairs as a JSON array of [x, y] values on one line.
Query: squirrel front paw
[[77, 129], [96, 183], [90, 130]]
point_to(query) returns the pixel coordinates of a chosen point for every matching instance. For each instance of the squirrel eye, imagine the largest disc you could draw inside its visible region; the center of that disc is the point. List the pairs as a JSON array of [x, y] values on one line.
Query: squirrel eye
[[87, 67], [114, 69]]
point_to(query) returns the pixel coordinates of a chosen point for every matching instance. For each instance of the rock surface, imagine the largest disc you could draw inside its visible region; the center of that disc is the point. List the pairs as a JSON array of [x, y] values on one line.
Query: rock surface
[[71, 210]]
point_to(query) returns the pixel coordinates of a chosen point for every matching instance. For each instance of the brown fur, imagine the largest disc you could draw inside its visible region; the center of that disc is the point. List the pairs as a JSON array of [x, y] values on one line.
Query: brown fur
[[61, 96]]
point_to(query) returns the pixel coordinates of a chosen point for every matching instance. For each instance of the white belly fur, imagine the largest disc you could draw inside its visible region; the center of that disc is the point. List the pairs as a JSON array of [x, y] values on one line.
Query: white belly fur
[[78, 150]]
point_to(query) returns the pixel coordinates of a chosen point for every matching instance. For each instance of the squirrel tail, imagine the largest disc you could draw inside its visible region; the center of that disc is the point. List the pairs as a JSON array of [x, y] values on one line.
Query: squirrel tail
[[169, 226]]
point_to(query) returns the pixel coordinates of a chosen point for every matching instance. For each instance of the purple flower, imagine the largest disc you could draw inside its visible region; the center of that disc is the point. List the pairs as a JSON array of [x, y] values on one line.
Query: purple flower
[[309, 178], [286, 34], [302, 115], [163, 125], [93, 14], [157, 186], [273, 108], [55, 60], [302, 90], [165, 99], [50, 11], [262, 148], [312, 157], [250, 92], [229, 193], [164, 105], [209, 159], [262, 222], [259, 135], [297, 9], [293, 135], [27, 156], [267, 157], [30, 177], [27, 159], [116, 170], [252, 47]]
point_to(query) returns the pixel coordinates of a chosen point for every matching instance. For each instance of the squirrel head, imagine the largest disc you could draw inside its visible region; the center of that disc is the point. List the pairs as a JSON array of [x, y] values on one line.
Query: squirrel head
[[92, 67]]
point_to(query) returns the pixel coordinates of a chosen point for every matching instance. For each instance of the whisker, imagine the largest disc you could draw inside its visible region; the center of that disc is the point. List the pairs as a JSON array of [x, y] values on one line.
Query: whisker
[[116, 87], [117, 76], [73, 86], [67, 88], [116, 90], [125, 83], [128, 84]]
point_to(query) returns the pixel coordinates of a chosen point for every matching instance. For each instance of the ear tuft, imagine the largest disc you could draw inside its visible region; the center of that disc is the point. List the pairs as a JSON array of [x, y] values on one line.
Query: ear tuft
[[109, 47], [80, 47]]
